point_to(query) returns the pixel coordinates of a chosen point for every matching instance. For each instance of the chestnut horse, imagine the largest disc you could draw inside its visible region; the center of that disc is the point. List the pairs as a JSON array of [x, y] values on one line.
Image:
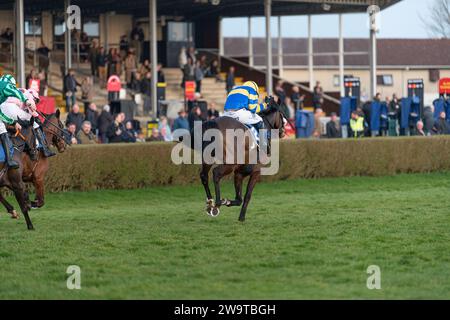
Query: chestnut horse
[[273, 118]]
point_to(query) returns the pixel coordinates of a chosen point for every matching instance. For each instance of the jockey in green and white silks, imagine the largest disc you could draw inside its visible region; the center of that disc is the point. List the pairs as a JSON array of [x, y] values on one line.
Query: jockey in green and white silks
[[11, 102]]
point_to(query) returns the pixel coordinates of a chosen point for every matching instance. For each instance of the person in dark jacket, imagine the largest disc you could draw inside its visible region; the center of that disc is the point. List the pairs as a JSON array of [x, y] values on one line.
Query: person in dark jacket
[[230, 79], [92, 116], [70, 88], [441, 126], [129, 134], [104, 122], [75, 117], [428, 120], [181, 122], [116, 129], [194, 115], [333, 128]]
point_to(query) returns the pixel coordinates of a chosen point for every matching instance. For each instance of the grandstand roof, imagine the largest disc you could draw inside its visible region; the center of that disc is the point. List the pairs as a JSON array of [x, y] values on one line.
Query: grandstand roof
[[204, 8]]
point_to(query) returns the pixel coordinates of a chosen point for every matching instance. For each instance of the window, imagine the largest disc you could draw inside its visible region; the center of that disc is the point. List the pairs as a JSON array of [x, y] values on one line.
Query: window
[[385, 80], [58, 25], [180, 31], [336, 80], [33, 26], [91, 27], [434, 75]]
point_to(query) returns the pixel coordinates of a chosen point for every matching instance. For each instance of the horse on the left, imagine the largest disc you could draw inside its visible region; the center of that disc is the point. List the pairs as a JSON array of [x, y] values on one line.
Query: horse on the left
[[12, 178]]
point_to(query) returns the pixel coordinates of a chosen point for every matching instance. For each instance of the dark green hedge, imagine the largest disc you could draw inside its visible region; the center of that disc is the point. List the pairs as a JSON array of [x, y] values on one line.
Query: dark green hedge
[[118, 166]]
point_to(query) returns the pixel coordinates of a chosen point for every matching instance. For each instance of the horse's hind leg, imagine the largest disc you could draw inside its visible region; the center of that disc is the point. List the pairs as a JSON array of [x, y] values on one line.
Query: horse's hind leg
[[21, 199], [218, 173], [238, 179], [248, 194], [204, 176], [9, 207]]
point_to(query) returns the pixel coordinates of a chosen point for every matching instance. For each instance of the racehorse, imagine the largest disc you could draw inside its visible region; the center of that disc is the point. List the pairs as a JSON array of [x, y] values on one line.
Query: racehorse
[[35, 170], [12, 178], [273, 118]]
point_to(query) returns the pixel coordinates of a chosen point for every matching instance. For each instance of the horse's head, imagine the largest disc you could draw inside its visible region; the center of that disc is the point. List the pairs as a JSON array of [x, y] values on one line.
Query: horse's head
[[274, 118], [53, 135]]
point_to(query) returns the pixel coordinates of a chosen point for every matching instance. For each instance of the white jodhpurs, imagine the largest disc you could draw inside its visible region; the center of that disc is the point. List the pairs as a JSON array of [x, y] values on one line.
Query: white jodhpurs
[[11, 110], [244, 116]]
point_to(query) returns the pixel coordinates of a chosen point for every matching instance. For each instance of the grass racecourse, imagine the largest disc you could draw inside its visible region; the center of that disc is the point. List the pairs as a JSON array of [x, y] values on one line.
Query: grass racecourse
[[306, 239]]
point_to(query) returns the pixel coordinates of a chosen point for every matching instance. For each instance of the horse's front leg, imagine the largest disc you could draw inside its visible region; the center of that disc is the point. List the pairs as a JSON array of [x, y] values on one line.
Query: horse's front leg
[[238, 180], [39, 199], [204, 176], [248, 194], [218, 173]]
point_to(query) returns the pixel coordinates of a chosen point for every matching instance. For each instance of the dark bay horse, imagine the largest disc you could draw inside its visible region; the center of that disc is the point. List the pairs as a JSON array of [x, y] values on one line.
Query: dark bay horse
[[273, 119], [34, 171], [12, 178]]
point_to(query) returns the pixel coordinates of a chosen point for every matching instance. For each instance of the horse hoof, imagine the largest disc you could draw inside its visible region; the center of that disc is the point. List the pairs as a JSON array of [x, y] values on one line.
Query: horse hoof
[[215, 212], [226, 202], [14, 215], [241, 219]]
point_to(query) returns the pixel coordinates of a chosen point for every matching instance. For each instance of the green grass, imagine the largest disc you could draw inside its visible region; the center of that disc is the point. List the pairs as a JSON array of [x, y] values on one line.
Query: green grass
[[309, 239]]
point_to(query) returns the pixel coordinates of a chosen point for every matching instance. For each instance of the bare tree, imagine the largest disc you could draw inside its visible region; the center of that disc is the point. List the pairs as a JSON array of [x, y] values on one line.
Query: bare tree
[[438, 22]]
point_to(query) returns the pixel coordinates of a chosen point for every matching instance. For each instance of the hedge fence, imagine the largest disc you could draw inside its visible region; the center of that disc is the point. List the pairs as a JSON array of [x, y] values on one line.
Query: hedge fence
[[127, 166]]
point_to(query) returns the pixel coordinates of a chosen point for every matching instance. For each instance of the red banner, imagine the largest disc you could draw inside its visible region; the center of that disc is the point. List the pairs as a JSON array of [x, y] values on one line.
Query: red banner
[[444, 86], [189, 90]]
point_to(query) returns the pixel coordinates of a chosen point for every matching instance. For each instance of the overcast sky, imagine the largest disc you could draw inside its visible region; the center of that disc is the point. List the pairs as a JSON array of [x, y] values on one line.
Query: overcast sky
[[402, 20]]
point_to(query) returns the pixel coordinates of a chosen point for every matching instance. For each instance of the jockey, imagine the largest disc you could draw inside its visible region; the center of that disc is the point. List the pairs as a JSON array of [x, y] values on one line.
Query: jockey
[[8, 90], [16, 110], [243, 105]]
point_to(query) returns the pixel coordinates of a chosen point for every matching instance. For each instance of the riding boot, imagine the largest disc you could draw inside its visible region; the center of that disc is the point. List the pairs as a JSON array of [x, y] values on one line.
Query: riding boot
[[40, 137], [6, 143], [264, 140]]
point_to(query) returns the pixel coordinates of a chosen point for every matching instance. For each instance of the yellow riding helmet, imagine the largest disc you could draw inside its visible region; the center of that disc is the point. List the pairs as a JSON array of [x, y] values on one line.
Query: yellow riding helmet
[[252, 84]]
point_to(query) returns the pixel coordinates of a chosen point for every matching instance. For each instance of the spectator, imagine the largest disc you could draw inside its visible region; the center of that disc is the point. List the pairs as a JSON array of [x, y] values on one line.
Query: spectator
[[164, 128], [428, 120], [160, 72], [297, 98], [75, 117], [189, 71], [317, 123], [145, 67], [130, 67], [212, 111], [137, 31], [198, 75], [214, 69], [129, 135], [92, 116], [31, 76], [230, 80], [146, 84], [182, 58], [84, 47], [191, 54], [87, 91], [181, 122], [279, 91], [102, 65], [116, 129], [136, 46], [317, 96], [70, 89], [289, 108], [114, 67], [419, 129], [441, 126], [93, 56], [43, 86], [194, 115], [85, 135], [136, 82], [333, 127], [123, 46], [104, 122], [156, 136], [357, 125], [43, 57], [71, 132]]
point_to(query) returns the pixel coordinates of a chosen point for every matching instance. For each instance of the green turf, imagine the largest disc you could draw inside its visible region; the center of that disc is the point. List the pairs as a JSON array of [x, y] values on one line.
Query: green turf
[[309, 239]]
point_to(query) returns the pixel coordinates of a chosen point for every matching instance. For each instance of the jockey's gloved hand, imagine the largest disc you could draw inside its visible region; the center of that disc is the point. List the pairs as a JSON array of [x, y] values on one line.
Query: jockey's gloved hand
[[269, 100], [31, 105]]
